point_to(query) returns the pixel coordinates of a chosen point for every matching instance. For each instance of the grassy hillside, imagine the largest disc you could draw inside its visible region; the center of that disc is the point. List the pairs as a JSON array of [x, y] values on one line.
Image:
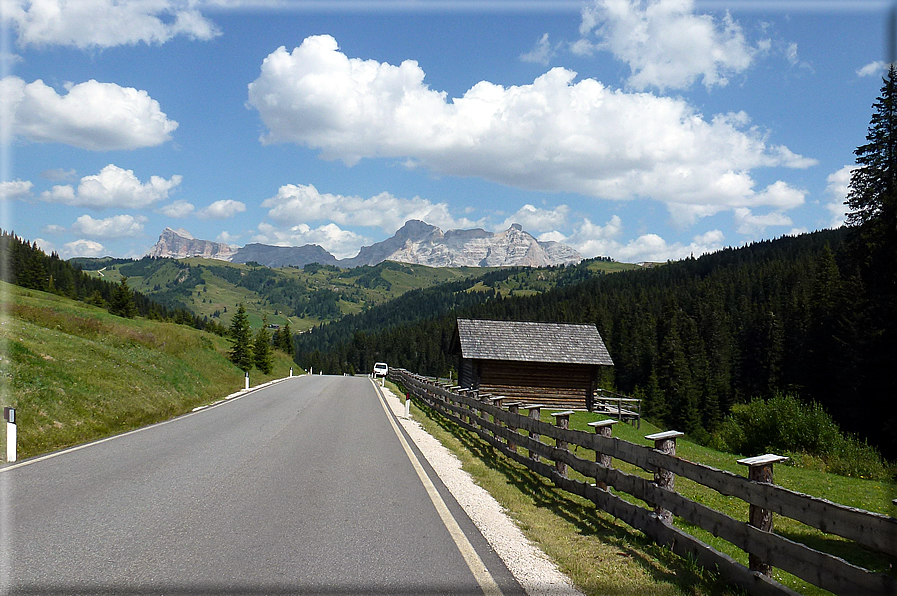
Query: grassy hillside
[[307, 296], [76, 373], [315, 293]]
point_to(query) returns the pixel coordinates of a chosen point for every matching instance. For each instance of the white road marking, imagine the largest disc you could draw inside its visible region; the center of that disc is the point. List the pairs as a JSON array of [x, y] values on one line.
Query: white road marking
[[473, 560]]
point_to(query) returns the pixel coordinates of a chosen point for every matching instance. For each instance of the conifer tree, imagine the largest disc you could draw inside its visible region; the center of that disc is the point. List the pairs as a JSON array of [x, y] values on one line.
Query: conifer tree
[[261, 349], [872, 200], [241, 339], [872, 196], [122, 301], [286, 340]]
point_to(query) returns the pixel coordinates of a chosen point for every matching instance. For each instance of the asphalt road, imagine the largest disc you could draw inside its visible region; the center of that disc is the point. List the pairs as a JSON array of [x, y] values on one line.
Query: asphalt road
[[302, 487]]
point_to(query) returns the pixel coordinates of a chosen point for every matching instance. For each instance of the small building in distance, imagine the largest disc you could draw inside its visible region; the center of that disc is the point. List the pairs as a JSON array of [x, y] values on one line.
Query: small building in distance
[[555, 364]]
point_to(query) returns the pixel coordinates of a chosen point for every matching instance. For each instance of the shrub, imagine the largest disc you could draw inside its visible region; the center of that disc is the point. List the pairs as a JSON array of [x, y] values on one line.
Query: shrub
[[804, 431]]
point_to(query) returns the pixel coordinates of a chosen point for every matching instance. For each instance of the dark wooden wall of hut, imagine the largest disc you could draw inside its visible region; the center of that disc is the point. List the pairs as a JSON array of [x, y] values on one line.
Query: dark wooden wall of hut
[[554, 385], [467, 374]]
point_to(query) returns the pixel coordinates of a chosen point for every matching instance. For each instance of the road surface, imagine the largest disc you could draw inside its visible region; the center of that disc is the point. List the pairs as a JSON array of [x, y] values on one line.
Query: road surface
[[301, 487]]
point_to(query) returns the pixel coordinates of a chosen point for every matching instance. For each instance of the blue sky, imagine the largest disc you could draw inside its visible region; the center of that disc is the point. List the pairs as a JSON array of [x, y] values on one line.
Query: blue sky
[[640, 130]]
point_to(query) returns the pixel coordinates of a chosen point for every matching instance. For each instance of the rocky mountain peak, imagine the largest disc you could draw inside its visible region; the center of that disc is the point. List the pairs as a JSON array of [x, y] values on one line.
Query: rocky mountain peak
[[179, 244], [416, 242]]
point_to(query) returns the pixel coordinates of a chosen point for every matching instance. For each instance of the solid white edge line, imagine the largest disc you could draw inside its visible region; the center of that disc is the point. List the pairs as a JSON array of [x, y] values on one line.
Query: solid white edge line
[[233, 396], [474, 562]]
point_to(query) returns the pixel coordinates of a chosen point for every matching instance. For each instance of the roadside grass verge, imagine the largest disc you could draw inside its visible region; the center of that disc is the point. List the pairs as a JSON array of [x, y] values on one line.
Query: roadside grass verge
[[76, 373], [605, 556]]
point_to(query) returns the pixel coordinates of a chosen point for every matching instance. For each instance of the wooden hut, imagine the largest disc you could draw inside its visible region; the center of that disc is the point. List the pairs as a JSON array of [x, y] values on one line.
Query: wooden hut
[[553, 364]]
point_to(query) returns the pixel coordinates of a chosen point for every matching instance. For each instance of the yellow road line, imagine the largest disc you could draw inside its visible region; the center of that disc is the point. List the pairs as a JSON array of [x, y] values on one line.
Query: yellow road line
[[473, 560]]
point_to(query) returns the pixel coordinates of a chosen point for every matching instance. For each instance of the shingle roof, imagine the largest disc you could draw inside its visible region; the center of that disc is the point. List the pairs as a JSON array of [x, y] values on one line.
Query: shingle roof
[[532, 342]]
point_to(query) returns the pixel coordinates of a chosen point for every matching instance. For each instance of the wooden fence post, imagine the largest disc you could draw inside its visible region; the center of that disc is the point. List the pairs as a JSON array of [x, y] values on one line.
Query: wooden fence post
[[462, 407], [535, 412], [496, 401], [760, 470], [562, 421], [605, 429], [513, 411], [664, 442]]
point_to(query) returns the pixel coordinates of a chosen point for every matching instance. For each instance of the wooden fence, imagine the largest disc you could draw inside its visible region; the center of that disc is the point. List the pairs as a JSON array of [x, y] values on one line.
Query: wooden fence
[[500, 423]]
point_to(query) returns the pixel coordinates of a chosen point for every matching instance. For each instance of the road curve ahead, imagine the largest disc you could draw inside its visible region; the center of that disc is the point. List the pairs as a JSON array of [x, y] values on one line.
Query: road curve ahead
[[302, 487]]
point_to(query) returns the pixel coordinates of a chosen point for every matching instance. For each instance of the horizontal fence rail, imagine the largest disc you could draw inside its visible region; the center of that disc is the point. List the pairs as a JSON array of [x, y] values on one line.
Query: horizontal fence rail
[[499, 422]]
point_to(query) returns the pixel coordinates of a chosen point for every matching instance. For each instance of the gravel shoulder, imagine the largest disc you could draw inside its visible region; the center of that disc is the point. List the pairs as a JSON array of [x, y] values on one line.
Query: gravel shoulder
[[535, 572]]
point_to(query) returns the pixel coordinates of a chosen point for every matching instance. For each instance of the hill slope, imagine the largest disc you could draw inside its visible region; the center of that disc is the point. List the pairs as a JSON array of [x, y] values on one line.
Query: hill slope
[[77, 373]]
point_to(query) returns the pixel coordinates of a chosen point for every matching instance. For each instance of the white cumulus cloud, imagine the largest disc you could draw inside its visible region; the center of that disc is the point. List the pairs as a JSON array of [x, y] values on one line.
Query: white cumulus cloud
[[112, 187], [592, 240], [301, 203], [535, 220], [553, 135], [542, 53], [664, 42], [340, 243], [15, 189], [83, 248], [749, 224], [90, 115], [221, 209], [177, 210], [837, 189], [104, 23], [118, 226], [873, 69]]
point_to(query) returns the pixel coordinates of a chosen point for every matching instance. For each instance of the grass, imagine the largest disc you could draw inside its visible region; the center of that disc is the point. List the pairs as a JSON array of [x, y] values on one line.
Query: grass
[[600, 554], [75, 373], [605, 556]]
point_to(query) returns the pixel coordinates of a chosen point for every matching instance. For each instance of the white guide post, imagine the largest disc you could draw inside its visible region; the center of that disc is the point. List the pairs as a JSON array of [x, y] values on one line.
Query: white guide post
[[9, 414], [247, 380]]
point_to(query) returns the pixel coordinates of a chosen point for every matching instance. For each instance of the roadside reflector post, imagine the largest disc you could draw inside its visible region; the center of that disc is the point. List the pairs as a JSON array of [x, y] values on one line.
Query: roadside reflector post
[[664, 442], [246, 386], [291, 372], [760, 470], [603, 428], [9, 414], [562, 421]]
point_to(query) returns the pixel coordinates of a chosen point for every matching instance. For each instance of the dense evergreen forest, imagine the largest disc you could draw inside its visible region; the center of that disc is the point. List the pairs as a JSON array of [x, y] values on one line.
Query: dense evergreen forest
[[813, 315], [691, 337], [26, 265]]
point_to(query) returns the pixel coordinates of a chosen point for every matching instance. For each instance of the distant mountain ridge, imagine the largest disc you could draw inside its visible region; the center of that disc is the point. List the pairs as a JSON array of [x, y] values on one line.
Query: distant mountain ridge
[[179, 244], [416, 242]]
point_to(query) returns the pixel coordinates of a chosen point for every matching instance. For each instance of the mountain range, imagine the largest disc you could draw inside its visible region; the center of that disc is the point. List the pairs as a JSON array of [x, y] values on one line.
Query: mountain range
[[416, 242]]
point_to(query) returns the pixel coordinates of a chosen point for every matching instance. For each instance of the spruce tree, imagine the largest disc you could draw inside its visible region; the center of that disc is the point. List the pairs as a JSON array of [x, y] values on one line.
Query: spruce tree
[[872, 200], [122, 301], [241, 339], [872, 197], [261, 349], [286, 340]]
